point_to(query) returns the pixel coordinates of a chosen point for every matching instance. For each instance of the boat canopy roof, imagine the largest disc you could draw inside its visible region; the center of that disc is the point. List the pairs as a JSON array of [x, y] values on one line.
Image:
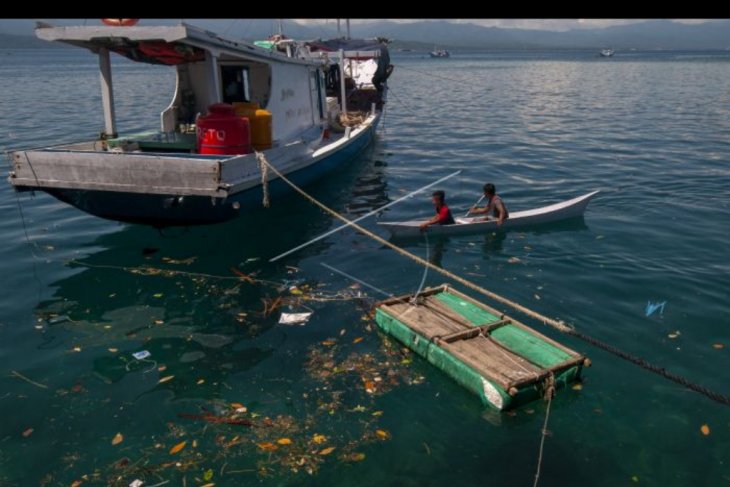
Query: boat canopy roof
[[170, 45]]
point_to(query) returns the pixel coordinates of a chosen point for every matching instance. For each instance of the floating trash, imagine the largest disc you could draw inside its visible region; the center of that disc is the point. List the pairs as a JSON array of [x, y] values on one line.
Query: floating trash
[[141, 355], [294, 318], [652, 307]]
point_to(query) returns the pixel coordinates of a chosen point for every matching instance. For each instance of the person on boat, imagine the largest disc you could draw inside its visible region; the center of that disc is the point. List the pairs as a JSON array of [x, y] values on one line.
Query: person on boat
[[443, 214], [494, 204]]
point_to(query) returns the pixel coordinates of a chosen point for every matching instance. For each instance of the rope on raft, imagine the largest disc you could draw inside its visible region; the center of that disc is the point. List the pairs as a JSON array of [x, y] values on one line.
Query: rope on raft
[[559, 325], [263, 167]]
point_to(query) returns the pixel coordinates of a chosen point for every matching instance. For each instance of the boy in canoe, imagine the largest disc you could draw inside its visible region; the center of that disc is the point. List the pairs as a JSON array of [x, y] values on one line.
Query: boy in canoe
[[494, 204], [443, 214]]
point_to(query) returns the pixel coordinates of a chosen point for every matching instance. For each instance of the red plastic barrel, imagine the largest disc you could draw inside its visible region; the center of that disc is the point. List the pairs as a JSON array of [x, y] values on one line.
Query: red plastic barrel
[[221, 131]]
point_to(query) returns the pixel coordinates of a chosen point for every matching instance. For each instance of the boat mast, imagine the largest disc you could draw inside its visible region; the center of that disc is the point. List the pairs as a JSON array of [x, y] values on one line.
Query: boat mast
[[281, 30], [107, 94]]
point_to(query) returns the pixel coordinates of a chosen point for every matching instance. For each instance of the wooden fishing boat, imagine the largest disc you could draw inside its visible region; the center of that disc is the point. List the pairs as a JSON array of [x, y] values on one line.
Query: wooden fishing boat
[[302, 107], [471, 225], [501, 360]]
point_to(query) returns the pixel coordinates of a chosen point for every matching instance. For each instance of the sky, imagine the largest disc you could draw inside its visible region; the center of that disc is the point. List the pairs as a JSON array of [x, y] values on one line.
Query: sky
[[543, 24], [20, 26]]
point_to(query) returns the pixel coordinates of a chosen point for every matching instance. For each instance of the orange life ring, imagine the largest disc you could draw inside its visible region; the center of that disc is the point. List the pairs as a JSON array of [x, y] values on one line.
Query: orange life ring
[[120, 22]]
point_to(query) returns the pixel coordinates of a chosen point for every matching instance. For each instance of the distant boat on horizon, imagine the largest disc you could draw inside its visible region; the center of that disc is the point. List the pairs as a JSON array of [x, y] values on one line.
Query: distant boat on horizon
[[606, 52], [440, 53]]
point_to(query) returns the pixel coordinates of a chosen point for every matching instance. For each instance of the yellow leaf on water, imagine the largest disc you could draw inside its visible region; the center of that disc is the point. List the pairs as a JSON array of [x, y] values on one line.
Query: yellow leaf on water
[[27, 432], [118, 438], [113, 350], [718, 346], [513, 260], [200, 381], [328, 343], [705, 429], [284, 441], [77, 349], [327, 450], [357, 340], [369, 386], [209, 484], [377, 413], [267, 446], [295, 291], [319, 439], [178, 447], [165, 379], [162, 368], [357, 457], [77, 483], [577, 387], [157, 295], [382, 434]]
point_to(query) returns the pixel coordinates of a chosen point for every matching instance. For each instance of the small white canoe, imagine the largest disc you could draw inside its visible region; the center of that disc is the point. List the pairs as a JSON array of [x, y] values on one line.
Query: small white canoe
[[476, 224]]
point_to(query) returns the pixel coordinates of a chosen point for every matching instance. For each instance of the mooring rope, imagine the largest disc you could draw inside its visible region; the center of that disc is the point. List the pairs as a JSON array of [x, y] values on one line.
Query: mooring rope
[[263, 167], [550, 392], [557, 324]]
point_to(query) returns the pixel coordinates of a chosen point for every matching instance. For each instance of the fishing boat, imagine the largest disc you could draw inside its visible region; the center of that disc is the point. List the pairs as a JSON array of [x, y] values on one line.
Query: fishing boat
[[472, 225], [440, 53], [501, 360], [606, 52], [307, 106]]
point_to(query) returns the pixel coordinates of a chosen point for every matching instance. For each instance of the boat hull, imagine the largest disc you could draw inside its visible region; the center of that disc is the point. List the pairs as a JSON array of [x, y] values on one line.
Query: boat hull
[[468, 226], [163, 210]]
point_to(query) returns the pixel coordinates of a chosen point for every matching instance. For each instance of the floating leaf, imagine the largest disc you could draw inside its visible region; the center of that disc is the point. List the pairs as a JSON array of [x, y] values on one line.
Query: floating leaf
[[165, 379], [27, 432], [295, 291], [357, 340], [77, 349], [328, 343], [178, 447], [284, 441], [673, 335], [157, 295], [118, 438], [635, 478], [577, 387], [113, 350], [369, 386], [327, 450], [158, 322], [200, 381], [537, 296], [267, 446], [237, 405], [208, 474], [319, 439], [718, 346], [76, 483], [377, 413], [382, 434], [357, 457], [162, 368], [705, 429], [211, 484], [513, 260]]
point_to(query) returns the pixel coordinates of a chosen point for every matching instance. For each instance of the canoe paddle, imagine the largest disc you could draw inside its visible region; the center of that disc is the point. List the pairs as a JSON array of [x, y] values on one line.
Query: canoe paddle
[[475, 204]]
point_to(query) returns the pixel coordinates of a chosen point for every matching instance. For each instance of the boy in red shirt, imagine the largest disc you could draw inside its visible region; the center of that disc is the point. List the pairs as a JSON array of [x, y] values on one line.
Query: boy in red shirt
[[443, 214]]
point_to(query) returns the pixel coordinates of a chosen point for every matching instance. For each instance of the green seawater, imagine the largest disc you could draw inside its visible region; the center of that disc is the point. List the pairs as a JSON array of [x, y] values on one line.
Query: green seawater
[[79, 295]]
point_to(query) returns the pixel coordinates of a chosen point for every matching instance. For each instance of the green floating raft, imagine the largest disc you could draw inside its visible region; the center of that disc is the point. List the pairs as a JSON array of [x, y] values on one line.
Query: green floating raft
[[504, 362]]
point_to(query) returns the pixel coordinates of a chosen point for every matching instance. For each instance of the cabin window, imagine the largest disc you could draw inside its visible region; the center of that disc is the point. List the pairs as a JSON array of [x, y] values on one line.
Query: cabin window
[[236, 84]]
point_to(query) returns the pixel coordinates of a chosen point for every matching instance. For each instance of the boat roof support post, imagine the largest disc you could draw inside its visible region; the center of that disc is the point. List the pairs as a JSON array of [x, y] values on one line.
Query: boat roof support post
[[348, 27], [342, 82], [107, 93]]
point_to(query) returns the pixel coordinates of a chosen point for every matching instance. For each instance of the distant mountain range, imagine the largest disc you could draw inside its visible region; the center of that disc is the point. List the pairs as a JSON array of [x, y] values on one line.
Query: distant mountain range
[[653, 34]]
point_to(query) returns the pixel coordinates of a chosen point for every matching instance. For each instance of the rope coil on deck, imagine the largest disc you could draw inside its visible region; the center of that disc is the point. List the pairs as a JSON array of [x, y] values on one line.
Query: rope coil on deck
[[557, 324]]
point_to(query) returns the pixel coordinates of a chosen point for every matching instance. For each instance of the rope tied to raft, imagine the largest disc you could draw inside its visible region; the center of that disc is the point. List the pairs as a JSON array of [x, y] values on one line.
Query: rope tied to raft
[[549, 388], [264, 168], [556, 324]]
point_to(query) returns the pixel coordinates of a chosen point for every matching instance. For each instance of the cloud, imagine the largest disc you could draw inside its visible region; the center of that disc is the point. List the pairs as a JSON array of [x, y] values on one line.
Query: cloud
[[543, 24]]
